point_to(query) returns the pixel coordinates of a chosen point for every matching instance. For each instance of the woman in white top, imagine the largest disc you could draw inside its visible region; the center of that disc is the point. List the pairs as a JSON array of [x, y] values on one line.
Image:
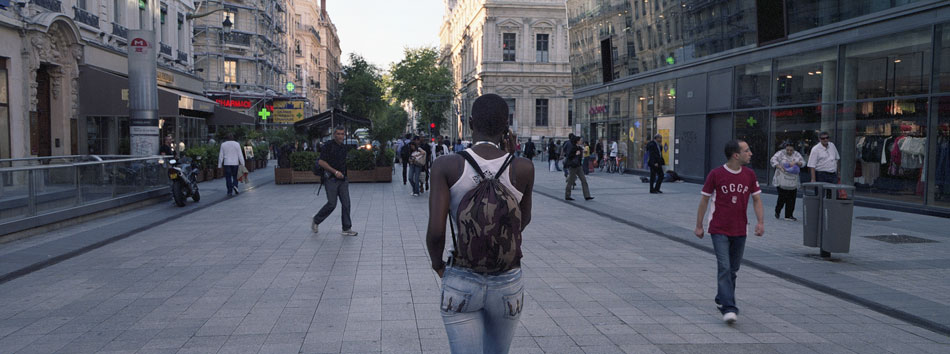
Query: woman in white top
[[787, 163]]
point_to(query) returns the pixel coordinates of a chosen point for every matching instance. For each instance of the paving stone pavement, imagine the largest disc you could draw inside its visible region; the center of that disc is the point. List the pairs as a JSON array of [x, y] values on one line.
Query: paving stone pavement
[[247, 276], [912, 279]]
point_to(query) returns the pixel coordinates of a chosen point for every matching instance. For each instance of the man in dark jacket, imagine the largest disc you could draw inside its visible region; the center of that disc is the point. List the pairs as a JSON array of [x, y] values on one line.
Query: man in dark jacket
[[572, 164], [529, 149], [564, 151], [654, 148], [404, 157]]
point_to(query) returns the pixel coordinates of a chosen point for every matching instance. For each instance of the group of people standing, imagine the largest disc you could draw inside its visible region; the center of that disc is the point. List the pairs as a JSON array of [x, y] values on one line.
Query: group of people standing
[[416, 154]]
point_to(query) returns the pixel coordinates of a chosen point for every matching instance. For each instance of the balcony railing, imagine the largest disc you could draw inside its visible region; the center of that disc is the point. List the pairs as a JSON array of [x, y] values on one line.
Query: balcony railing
[[52, 5], [243, 39], [85, 17], [165, 49], [120, 31], [183, 57]]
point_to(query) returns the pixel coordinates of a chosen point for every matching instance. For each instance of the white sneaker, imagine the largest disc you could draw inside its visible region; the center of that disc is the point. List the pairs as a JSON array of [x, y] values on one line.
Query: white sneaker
[[314, 227], [349, 233], [730, 317]]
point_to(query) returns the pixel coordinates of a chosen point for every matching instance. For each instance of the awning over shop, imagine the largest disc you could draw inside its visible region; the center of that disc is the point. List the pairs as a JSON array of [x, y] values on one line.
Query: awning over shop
[[224, 116], [332, 117], [192, 101]]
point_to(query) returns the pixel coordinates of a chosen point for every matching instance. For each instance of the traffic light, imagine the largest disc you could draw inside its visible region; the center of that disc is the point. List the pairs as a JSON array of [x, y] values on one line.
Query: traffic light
[[432, 125]]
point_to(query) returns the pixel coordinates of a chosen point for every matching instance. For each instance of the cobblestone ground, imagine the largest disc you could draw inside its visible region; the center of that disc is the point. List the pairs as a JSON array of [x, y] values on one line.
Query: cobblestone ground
[[248, 276]]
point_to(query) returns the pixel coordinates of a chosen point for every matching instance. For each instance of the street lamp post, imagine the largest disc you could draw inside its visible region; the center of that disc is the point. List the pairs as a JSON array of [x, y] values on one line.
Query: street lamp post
[[143, 82]]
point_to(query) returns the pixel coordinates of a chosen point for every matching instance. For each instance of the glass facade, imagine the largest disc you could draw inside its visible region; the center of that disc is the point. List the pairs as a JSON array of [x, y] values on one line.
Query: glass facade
[[884, 99]]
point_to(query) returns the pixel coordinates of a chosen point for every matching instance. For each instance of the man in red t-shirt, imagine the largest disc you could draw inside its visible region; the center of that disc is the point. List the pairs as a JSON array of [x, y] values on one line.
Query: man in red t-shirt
[[729, 187]]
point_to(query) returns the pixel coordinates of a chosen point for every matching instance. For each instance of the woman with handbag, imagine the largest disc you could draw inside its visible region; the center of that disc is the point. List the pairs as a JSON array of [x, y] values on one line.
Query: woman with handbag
[[787, 163]]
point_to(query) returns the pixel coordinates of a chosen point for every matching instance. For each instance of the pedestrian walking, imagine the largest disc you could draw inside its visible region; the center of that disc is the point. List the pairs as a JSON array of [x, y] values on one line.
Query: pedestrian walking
[[552, 156], [404, 156], [730, 187], [823, 160], [486, 192], [572, 164], [564, 151], [586, 161], [656, 163], [529, 149], [333, 160], [230, 157], [417, 162], [787, 163]]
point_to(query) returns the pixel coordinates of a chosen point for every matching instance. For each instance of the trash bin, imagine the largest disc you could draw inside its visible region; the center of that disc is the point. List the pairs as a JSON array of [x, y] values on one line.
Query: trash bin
[[837, 209], [811, 210]]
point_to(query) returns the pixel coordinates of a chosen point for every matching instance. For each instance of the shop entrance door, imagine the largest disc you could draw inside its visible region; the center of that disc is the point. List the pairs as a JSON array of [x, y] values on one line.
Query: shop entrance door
[[40, 121]]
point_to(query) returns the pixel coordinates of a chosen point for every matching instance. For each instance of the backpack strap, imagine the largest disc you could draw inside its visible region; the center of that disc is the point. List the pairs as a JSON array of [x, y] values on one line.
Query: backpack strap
[[471, 161]]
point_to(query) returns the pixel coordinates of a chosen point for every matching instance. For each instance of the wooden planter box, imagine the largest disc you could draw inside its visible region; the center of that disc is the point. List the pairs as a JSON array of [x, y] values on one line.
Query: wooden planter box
[[261, 163], [361, 176], [304, 177], [384, 174], [283, 175]]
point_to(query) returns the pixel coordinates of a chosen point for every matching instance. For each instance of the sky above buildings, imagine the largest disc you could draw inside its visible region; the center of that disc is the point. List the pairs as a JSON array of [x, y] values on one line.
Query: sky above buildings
[[379, 30]]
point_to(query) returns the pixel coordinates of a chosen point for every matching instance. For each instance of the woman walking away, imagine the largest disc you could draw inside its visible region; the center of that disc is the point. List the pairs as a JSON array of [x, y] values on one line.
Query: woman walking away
[[787, 163]]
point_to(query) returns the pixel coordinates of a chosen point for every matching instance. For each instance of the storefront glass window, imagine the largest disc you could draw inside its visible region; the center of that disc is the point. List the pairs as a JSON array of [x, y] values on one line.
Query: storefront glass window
[[883, 148], [897, 65], [800, 127], [942, 180], [4, 113], [942, 67], [711, 29], [807, 14], [752, 126], [805, 78], [100, 136], [752, 84], [666, 98], [643, 100]]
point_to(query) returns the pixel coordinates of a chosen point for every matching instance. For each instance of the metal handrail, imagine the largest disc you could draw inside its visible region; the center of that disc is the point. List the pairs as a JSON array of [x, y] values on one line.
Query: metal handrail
[[74, 164], [64, 157]]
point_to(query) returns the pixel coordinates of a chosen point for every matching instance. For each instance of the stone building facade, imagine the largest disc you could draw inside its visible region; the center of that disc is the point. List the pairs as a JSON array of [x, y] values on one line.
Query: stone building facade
[[516, 49], [63, 74], [317, 62]]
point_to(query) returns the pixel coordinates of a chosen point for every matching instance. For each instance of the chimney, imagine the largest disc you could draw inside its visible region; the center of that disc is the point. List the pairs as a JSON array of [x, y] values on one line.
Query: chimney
[[323, 8]]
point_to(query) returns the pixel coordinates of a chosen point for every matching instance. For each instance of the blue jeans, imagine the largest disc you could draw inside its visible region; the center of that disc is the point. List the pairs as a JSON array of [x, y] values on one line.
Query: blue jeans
[[728, 258], [481, 312], [230, 177], [414, 171]]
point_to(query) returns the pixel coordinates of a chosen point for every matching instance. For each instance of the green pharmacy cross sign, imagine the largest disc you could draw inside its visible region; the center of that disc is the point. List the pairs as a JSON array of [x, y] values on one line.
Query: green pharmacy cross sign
[[264, 113], [751, 121], [291, 87]]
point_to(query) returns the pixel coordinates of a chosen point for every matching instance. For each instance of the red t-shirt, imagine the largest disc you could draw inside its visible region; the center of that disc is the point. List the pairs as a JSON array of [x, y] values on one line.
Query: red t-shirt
[[730, 191]]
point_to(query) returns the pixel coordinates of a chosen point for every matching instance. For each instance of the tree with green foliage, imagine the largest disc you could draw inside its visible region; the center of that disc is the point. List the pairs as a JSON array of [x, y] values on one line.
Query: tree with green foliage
[[420, 80], [362, 88], [389, 124]]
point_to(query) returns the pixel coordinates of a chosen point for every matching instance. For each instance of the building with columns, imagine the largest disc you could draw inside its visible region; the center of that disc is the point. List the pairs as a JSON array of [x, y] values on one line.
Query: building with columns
[[64, 75], [516, 49]]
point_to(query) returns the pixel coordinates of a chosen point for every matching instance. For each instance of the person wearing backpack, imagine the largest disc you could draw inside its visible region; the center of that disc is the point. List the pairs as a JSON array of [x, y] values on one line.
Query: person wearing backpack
[[486, 192]]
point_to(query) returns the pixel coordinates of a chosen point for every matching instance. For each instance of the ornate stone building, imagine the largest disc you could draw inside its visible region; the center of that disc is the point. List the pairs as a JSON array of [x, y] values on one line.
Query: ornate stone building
[[63, 74], [316, 56], [516, 49]]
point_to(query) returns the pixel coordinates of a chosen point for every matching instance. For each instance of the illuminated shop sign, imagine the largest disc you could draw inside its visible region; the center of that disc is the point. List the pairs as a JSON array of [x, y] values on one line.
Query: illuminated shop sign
[[597, 110], [234, 103]]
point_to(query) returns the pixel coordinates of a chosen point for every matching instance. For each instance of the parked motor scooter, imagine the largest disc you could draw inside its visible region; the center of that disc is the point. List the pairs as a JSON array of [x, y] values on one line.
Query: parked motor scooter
[[184, 179]]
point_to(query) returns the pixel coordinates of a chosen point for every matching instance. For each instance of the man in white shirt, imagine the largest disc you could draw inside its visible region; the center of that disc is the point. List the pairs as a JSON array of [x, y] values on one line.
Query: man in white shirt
[[823, 160], [230, 157]]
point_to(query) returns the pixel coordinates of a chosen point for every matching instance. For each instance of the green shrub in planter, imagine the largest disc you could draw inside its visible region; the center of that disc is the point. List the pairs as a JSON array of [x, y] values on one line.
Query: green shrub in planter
[[194, 153], [211, 155], [385, 158], [303, 160], [260, 151], [360, 160]]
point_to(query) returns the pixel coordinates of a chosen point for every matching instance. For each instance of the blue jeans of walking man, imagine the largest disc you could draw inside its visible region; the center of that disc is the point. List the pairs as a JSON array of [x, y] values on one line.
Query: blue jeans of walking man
[[336, 188], [414, 171], [230, 177], [728, 258], [481, 312]]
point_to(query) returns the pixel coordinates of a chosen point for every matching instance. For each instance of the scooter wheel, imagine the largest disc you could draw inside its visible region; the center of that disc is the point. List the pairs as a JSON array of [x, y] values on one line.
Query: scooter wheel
[[196, 196]]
